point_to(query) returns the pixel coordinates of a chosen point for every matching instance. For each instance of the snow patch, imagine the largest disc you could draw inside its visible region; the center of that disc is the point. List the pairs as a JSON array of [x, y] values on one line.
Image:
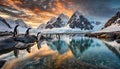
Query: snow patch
[[112, 28]]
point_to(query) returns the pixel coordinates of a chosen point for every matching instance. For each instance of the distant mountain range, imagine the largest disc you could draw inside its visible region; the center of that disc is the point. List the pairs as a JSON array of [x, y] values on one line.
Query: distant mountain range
[[111, 29], [9, 24], [76, 21]]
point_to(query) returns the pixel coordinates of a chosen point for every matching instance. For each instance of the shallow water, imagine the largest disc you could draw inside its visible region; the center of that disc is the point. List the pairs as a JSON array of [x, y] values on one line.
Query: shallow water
[[66, 53]]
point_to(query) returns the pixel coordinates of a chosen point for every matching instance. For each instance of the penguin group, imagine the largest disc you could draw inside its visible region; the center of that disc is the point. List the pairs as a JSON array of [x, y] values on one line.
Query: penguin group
[[17, 42]]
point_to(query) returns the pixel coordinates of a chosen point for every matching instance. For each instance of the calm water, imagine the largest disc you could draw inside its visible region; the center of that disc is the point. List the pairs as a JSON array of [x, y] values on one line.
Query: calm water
[[67, 53]]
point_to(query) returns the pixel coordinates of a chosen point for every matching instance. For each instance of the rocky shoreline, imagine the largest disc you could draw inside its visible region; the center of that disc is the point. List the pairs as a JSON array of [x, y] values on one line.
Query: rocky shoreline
[[105, 35]]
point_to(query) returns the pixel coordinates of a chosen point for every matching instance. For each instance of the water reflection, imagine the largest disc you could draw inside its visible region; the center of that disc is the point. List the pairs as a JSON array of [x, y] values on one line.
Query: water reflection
[[79, 52], [60, 45], [94, 51], [78, 46], [114, 48], [88, 50]]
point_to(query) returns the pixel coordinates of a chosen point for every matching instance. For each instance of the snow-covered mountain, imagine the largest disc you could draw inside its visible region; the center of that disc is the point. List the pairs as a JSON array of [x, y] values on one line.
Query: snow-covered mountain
[[113, 20], [113, 24], [50, 23], [60, 21], [9, 24], [4, 26], [97, 25], [21, 23], [111, 28], [79, 21], [42, 26]]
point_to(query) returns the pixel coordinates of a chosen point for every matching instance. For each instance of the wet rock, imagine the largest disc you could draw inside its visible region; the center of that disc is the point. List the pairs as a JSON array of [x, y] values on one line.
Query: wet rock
[[22, 46], [2, 62], [105, 35], [91, 35], [5, 33], [7, 45], [118, 40], [118, 37]]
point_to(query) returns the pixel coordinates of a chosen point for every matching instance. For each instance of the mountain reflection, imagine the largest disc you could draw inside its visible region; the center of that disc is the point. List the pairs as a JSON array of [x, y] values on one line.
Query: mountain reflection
[[81, 49], [78, 46], [115, 49], [60, 45], [68, 54]]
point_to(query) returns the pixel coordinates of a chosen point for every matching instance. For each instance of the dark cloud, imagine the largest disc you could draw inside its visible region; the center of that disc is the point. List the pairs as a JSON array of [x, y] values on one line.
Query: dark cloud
[[93, 8], [11, 11], [99, 8]]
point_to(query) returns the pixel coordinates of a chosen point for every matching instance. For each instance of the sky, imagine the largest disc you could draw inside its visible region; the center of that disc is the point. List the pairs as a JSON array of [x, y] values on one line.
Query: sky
[[36, 12]]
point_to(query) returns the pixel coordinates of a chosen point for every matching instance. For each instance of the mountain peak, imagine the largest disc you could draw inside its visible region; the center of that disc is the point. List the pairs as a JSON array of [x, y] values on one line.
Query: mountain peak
[[21, 23], [79, 21], [8, 24], [118, 21], [58, 22], [78, 13], [62, 16], [52, 20], [118, 14], [112, 20]]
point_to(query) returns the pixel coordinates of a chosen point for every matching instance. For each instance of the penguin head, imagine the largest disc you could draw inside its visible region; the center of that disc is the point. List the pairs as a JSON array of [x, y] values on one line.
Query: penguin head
[[27, 32], [38, 33]]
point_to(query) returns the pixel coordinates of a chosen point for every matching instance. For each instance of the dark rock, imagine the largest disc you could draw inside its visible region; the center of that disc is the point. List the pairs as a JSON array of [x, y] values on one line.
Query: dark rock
[[118, 37], [5, 33], [7, 45], [45, 38], [91, 35], [24, 46], [118, 40], [2, 62], [49, 26], [105, 35]]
